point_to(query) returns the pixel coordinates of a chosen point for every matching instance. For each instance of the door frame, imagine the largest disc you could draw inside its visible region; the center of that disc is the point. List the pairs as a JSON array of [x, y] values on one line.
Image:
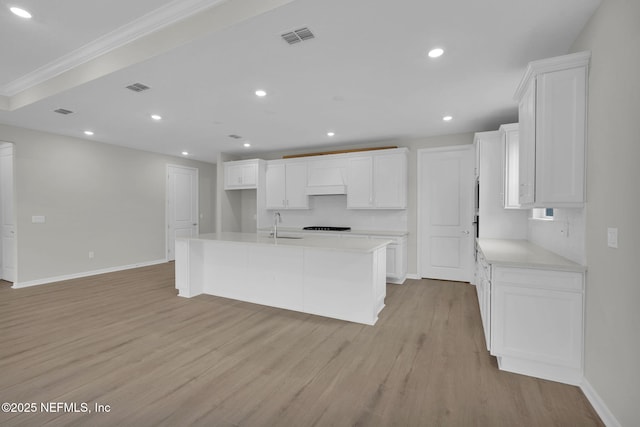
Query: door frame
[[420, 226], [167, 215], [15, 218]]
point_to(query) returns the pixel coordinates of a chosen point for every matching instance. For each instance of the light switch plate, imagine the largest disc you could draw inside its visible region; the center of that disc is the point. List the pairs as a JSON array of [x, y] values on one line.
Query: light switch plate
[[38, 219], [612, 237]]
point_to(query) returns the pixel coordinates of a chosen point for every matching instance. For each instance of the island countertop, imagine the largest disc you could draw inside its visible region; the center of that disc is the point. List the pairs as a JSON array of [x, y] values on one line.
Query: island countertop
[[352, 232], [307, 241]]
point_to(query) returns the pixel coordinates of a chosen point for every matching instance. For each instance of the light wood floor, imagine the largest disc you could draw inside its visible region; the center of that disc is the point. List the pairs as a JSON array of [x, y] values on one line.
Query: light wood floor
[[126, 340]]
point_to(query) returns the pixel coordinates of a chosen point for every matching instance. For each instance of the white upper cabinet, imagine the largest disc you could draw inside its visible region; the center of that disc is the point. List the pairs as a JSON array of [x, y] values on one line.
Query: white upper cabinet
[[378, 180], [286, 184], [510, 142], [496, 222], [241, 174], [360, 183], [552, 113], [527, 142]]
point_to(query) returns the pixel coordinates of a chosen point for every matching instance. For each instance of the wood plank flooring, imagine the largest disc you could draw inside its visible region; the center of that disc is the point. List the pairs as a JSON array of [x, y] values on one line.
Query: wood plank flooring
[[126, 340]]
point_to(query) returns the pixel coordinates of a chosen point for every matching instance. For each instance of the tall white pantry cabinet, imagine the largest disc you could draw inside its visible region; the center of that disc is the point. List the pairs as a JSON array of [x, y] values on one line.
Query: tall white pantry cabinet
[[552, 99]]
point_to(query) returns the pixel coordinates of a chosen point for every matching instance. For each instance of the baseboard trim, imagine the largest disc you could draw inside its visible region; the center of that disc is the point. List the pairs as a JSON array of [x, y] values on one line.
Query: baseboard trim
[[598, 404], [413, 276], [19, 285]]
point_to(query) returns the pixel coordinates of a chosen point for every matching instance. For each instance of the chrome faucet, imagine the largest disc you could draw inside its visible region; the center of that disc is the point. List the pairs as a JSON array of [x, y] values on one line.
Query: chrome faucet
[[276, 219]]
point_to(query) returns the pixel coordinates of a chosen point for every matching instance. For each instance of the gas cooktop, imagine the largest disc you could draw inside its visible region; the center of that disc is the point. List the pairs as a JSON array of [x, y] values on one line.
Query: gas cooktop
[[325, 228]]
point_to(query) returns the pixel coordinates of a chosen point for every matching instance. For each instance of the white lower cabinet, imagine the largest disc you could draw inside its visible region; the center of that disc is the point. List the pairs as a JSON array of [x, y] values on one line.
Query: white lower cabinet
[[396, 251], [396, 259], [536, 325], [483, 288], [396, 255]]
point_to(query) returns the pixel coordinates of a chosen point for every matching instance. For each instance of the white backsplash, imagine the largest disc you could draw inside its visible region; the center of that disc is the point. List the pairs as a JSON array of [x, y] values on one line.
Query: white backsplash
[[565, 235], [332, 211]]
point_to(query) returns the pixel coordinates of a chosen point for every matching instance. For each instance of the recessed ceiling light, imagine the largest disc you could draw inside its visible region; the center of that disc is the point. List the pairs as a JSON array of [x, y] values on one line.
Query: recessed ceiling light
[[447, 118], [435, 53], [246, 145], [261, 93], [156, 117], [185, 153], [88, 132], [331, 133], [20, 12]]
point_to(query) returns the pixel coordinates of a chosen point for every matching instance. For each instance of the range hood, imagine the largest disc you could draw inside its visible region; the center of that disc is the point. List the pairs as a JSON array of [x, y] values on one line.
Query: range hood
[[326, 177]]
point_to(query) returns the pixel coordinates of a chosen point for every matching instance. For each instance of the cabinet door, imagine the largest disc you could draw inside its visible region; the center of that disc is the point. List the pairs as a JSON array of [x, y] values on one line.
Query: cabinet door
[[390, 181], [527, 149], [560, 137], [536, 324], [511, 171], [295, 187], [250, 175], [232, 176], [275, 186], [359, 184], [484, 292], [239, 175]]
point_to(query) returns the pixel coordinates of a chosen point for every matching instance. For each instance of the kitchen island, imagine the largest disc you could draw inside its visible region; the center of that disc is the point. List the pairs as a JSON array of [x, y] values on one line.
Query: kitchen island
[[327, 276]]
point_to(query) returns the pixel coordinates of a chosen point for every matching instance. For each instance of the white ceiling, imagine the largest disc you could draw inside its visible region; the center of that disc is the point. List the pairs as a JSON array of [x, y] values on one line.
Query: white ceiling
[[366, 75]]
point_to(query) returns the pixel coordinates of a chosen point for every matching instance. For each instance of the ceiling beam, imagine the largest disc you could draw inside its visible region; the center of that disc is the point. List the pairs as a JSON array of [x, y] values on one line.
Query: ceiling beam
[[214, 19]]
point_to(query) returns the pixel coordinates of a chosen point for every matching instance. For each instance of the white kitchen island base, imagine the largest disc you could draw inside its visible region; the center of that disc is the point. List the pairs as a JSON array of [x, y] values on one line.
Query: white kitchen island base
[[339, 278]]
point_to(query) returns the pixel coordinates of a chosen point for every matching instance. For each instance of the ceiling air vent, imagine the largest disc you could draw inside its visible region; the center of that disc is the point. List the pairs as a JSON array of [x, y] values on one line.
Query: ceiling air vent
[[138, 87], [299, 35], [63, 111], [235, 136]]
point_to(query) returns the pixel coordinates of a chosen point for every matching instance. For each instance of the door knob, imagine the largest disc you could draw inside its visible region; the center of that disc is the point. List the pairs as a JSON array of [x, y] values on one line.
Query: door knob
[[465, 232]]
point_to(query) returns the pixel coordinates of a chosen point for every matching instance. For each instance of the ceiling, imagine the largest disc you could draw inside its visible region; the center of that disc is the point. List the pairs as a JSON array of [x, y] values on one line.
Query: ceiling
[[365, 76]]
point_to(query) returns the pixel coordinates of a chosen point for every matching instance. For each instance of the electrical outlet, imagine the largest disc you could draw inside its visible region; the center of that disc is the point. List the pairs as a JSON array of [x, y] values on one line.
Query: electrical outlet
[[91, 254], [612, 237]]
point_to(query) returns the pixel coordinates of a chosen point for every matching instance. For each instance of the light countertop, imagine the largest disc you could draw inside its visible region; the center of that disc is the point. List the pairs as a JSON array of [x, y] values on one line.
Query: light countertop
[[297, 230], [524, 254], [309, 242]]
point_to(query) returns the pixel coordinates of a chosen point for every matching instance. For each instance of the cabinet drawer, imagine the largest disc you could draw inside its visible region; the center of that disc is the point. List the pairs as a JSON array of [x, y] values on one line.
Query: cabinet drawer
[[542, 279]]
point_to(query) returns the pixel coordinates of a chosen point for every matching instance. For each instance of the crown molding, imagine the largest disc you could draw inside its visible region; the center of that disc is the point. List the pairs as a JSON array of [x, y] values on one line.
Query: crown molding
[[153, 21], [557, 63]]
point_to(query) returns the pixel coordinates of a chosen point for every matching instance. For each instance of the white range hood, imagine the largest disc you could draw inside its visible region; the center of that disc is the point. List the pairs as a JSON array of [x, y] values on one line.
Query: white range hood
[[326, 177]]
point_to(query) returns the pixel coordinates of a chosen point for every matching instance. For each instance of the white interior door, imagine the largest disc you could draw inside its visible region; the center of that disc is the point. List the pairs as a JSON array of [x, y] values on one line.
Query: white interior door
[[7, 218], [182, 205], [445, 213]]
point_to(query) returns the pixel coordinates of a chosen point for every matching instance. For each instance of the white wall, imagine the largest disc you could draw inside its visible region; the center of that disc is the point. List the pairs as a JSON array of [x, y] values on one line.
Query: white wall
[[228, 208], [95, 197], [332, 211], [612, 342], [565, 235], [248, 205]]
